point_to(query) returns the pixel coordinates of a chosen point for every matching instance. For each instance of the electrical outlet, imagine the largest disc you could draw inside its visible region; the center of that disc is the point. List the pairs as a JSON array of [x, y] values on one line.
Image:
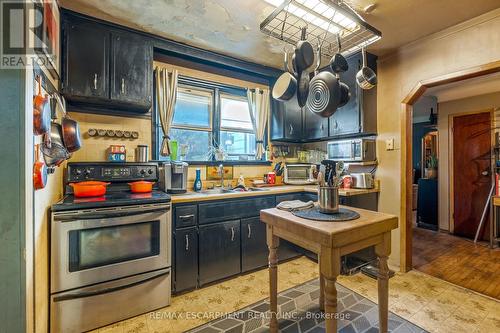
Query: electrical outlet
[[389, 144]]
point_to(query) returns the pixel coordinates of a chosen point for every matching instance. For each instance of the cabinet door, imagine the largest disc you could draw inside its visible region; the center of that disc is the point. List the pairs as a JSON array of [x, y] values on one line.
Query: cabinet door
[[277, 120], [186, 259], [254, 249], [315, 127], [132, 68], [85, 61], [293, 121], [347, 119], [219, 249]]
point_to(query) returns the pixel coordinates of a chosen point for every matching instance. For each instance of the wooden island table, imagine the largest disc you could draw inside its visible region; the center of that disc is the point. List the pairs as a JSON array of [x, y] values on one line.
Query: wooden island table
[[330, 240]]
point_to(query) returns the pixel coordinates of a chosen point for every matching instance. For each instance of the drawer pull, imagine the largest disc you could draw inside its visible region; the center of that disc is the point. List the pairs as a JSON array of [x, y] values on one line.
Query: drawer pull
[[187, 242], [232, 234], [186, 217], [249, 231]]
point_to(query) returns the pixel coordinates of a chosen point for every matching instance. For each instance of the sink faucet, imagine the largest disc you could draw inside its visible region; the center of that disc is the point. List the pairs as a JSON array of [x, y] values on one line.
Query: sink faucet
[[221, 174]]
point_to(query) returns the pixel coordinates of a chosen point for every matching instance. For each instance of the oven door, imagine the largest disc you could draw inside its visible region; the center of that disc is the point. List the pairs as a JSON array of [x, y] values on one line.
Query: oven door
[[93, 246]]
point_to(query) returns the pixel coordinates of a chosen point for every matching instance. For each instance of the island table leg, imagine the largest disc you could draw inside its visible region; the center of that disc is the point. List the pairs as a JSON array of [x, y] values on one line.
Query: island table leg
[[329, 270], [273, 243], [383, 250]]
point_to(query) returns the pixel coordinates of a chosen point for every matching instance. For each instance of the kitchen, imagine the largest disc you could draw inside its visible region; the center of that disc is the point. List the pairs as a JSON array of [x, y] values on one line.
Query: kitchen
[[242, 140]]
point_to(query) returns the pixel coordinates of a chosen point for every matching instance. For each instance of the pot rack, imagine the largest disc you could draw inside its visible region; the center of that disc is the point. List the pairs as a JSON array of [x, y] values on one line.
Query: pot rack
[[286, 21]]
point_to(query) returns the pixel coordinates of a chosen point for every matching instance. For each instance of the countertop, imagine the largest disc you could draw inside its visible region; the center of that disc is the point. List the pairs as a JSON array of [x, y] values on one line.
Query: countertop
[[195, 196]]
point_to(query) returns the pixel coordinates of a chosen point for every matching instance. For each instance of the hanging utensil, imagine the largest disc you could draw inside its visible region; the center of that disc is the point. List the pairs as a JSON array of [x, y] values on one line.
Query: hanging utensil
[[39, 171], [304, 53], [303, 88], [338, 63], [41, 111], [70, 129], [366, 77], [286, 85]]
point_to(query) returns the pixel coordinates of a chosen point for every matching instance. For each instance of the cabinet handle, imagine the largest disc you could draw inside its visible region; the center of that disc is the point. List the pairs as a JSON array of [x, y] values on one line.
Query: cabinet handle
[[123, 86], [232, 234], [187, 242], [291, 129], [95, 81], [321, 128], [185, 217], [249, 231]]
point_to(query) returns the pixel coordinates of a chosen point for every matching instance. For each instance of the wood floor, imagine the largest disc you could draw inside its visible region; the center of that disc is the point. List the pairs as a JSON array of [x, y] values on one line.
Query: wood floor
[[457, 260]]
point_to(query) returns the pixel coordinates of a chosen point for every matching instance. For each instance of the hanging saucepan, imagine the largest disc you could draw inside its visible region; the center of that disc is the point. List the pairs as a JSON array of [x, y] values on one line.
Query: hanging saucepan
[[345, 94], [56, 153], [70, 130], [324, 91], [366, 77], [338, 63], [39, 171], [41, 111], [304, 53], [303, 88], [286, 85]]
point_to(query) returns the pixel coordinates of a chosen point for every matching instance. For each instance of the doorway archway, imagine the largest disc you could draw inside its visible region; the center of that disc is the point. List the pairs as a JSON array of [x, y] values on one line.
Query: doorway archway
[[406, 149]]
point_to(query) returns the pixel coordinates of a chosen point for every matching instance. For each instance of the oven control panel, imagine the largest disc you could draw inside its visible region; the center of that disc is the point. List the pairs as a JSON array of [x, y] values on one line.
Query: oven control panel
[[111, 172]]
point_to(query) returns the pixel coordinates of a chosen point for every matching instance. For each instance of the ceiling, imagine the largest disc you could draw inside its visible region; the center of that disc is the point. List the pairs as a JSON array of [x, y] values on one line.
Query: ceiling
[[472, 87], [231, 27]]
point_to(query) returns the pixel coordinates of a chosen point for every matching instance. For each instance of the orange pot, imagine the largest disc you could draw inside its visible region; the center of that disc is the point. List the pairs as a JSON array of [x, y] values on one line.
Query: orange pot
[[89, 189], [141, 186]]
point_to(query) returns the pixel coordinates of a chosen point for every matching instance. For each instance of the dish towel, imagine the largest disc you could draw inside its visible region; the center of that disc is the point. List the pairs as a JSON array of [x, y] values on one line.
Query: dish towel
[[294, 205]]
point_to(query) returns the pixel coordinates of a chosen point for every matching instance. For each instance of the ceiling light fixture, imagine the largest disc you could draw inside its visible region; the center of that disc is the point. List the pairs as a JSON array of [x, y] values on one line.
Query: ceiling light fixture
[[325, 19]]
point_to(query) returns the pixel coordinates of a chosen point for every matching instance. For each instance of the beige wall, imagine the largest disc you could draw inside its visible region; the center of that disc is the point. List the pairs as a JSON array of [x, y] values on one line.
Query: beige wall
[[465, 105], [468, 44]]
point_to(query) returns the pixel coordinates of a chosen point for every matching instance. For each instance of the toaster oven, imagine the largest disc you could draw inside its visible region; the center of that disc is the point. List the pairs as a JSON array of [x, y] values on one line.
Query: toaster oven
[[299, 174]]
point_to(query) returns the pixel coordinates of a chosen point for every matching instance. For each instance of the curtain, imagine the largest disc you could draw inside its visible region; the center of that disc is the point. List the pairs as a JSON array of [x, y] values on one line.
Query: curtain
[[258, 103], [166, 94]]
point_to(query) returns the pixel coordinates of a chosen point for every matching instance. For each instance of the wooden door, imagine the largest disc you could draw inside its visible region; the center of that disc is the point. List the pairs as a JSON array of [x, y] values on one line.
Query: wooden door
[[471, 171], [254, 249]]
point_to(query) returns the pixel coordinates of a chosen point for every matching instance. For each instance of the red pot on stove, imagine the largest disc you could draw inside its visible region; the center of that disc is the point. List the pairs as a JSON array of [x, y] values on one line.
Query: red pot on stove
[[89, 189], [141, 186]]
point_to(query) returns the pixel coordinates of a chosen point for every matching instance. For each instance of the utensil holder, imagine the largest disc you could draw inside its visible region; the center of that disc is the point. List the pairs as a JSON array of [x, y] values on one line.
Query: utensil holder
[[328, 198]]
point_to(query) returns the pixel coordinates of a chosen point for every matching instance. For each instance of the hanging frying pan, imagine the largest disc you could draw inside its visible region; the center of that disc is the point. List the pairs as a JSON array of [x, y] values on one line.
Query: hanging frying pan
[[366, 77], [303, 88], [39, 171], [338, 63], [286, 85], [324, 91], [41, 111], [304, 52]]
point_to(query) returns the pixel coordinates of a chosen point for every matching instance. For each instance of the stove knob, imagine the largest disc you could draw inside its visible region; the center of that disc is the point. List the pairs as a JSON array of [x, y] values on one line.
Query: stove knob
[[87, 172], [142, 172], [150, 171], [78, 172]]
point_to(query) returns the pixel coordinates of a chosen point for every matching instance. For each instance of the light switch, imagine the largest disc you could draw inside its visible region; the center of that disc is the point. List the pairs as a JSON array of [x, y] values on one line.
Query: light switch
[[389, 144]]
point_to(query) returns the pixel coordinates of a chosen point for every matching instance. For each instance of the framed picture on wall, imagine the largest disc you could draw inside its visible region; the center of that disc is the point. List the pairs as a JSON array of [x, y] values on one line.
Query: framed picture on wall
[[48, 30]]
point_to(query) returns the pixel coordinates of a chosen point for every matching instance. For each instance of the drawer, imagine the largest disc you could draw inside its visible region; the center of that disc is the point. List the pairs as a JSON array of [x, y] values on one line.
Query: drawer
[[234, 209], [185, 216]]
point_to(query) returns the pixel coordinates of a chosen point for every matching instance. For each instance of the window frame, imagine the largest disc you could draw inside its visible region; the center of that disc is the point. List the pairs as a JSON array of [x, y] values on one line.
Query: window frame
[[218, 89]]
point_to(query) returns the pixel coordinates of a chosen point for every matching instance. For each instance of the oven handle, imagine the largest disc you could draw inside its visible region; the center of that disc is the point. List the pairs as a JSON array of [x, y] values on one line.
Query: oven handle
[[106, 214], [84, 294]]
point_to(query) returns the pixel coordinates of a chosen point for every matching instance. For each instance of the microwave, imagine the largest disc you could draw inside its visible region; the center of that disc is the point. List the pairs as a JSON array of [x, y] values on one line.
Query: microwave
[[299, 174], [352, 150]]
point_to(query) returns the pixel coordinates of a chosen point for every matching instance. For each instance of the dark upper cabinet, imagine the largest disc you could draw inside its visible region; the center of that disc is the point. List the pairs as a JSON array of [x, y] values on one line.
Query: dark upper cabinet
[[105, 69], [219, 251], [293, 121], [315, 127], [85, 61], [186, 259], [131, 70], [254, 250], [357, 117]]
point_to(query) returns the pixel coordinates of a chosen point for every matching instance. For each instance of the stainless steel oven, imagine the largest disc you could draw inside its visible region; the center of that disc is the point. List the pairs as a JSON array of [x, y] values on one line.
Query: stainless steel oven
[[97, 245]]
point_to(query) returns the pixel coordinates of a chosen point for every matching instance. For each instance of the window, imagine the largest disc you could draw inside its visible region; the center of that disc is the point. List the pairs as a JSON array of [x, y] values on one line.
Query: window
[[208, 114]]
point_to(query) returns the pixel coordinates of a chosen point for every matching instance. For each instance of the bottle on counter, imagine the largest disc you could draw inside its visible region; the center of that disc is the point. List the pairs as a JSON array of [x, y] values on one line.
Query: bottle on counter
[[197, 182]]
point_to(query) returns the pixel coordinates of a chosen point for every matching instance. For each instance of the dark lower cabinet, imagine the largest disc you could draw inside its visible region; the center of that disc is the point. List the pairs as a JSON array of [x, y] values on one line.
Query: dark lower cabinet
[[219, 251], [254, 250], [186, 259]]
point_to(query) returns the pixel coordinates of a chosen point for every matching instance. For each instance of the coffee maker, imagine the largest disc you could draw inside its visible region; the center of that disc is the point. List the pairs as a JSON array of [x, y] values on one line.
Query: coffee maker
[[173, 176]]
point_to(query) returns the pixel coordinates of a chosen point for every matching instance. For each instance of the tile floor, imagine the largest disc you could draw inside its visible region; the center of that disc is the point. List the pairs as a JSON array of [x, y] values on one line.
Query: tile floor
[[428, 302]]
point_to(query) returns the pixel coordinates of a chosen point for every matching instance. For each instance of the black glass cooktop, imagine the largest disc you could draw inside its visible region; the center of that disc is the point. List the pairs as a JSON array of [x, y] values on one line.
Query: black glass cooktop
[[110, 199]]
